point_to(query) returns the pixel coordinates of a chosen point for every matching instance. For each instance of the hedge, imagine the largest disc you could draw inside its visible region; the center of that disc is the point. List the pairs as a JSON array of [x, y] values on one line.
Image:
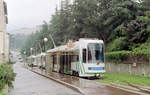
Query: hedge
[[116, 56], [121, 56], [138, 53]]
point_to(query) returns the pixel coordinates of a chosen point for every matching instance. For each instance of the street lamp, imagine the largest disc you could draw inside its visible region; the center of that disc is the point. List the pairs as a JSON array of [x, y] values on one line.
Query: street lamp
[[31, 49], [24, 52], [45, 40]]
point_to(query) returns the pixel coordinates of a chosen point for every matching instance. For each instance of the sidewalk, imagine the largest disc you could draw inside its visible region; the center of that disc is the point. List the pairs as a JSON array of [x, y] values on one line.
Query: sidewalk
[[30, 83]]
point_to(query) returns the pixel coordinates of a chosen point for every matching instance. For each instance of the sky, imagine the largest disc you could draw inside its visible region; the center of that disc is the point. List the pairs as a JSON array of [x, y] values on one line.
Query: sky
[[29, 13]]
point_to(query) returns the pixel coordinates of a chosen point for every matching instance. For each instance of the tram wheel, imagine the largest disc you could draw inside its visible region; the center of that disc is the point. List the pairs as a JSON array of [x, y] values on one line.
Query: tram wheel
[[74, 73]]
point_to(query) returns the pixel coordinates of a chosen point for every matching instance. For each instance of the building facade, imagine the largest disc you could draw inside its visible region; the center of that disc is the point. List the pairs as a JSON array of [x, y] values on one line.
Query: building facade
[[3, 35]]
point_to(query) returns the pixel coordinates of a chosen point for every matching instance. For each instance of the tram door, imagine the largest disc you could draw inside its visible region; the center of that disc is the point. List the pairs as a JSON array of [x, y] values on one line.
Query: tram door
[[65, 63], [54, 63], [62, 62]]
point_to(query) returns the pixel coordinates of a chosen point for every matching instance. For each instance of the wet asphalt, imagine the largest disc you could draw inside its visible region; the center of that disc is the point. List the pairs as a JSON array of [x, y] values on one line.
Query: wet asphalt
[[29, 83], [88, 87]]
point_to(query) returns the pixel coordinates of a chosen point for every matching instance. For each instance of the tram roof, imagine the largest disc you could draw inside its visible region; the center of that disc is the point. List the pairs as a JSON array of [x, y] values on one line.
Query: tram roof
[[63, 48], [82, 41]]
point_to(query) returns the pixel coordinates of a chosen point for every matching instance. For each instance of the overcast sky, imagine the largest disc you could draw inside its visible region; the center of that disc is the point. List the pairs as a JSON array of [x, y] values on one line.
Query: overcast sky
[[29, 13]]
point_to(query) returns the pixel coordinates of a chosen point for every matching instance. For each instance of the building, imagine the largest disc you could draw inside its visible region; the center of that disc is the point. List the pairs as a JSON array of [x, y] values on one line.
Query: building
[[3, 35]]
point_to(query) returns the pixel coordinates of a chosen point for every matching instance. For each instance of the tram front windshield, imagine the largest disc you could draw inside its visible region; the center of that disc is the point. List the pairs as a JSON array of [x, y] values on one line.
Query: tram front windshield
[[95, 53]]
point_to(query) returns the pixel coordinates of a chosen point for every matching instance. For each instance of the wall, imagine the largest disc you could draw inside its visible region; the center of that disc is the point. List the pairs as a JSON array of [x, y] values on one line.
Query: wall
[[2, 31], [139, 69], [7, 47]]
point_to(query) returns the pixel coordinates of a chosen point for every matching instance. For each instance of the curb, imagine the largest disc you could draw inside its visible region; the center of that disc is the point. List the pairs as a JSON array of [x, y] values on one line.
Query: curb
[[130, 89], [61, 82]]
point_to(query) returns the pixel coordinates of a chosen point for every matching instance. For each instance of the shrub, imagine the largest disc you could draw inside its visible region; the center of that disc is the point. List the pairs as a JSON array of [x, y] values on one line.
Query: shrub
[[143, 49], [7, 75], [117, 45], [3, 93]]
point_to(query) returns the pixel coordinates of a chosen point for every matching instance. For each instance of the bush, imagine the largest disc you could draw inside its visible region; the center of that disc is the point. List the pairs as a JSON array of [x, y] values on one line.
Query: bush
[[143, 49], [117, 45], [7, 75], [3, 93]]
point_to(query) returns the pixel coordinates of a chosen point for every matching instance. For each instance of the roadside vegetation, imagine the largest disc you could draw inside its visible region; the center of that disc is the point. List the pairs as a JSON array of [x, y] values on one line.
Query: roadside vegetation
[[7, 76], [125, 79], [3, 93]]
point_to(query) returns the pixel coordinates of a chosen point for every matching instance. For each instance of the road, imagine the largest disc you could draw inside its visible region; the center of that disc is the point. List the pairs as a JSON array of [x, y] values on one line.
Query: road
[[29, 83]]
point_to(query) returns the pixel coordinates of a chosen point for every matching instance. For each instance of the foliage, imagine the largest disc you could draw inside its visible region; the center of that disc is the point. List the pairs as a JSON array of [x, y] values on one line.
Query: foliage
[[119, 23], [146, 3], [137, 31], [116, 56], [116, 45], [125, 79], [17, 41], [3, 93], [6, 75], [143, 49], [119, 56]]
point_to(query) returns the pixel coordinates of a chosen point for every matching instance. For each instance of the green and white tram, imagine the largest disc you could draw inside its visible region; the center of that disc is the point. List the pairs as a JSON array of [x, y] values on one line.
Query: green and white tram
[[84, 58]]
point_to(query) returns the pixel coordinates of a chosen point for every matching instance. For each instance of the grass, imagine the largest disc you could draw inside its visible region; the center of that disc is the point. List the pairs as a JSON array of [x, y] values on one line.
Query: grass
[[125, 79], [3, 93]]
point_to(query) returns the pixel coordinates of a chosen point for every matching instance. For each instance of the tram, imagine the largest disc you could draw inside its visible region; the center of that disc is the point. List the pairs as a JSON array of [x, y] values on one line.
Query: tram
[[37, 61], [83, 58]]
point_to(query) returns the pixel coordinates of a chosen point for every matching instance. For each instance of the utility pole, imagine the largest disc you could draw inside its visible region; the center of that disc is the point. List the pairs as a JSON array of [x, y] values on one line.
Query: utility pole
[[52, 40]]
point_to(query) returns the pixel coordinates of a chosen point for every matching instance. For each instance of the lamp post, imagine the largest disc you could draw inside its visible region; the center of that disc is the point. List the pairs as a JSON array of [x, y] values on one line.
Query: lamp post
[[24, 57], [44, 59], [31, 49], [38, 42]]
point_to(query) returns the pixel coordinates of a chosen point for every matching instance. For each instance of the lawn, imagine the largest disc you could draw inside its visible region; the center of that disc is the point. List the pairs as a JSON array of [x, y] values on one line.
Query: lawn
[[125, 79], [2, 93]]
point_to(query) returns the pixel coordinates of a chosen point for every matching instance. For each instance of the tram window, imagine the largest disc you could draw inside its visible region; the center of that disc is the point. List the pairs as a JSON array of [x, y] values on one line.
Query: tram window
[[75, 58], [84, 55], [95, 53]]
